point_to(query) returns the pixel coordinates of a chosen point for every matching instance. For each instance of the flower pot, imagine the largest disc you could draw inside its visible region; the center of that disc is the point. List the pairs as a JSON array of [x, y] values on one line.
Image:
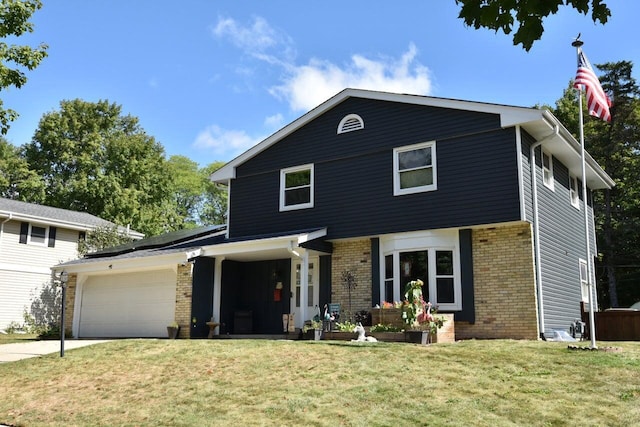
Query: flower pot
[[417, 337], [172, 332]]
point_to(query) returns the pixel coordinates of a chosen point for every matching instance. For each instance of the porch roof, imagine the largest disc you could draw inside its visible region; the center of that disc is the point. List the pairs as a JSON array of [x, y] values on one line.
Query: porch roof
[[212, 244], [268, 246]]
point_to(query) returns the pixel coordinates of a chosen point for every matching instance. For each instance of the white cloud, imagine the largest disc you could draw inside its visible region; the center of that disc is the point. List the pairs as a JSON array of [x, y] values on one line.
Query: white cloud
[[257, 39], [306, 86], [274, 122], [223, 142], [309, 85]]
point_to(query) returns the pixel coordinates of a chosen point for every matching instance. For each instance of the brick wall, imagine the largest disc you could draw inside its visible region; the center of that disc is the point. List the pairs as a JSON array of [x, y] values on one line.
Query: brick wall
[[355, 257], [504, 285], [183, 299]]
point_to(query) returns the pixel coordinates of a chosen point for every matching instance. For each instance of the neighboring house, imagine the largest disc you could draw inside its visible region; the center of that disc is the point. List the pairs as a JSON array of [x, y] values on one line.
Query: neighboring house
[[482, 202], [34, 238]]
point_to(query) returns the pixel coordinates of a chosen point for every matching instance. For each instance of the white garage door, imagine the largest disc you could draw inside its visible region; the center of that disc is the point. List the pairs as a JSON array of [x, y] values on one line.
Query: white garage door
[[128, 305]]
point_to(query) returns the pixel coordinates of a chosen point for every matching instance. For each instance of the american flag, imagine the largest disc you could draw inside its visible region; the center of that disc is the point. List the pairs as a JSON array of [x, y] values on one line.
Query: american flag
[[597, 101]]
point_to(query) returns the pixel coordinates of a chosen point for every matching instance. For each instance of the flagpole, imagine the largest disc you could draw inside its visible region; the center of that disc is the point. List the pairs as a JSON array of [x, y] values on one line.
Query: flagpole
[[592, 324]]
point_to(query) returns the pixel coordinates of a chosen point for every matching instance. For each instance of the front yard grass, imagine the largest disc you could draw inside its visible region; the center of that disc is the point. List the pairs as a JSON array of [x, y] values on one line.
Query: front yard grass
[[256, 382], [11, 338]]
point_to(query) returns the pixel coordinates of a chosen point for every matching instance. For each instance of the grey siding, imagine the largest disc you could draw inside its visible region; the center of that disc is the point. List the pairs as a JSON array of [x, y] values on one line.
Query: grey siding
[[562, 245], [476, 160]]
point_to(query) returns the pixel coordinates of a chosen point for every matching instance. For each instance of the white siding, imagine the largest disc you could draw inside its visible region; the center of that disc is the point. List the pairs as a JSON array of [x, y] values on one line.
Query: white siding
[[24, 268]]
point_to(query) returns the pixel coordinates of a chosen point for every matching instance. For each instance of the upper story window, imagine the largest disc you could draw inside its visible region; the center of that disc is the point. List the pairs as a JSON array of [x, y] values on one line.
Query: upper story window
[[573, 191], [414, 168], [547, 169], [35, 234], [296, 188], [350, 123]]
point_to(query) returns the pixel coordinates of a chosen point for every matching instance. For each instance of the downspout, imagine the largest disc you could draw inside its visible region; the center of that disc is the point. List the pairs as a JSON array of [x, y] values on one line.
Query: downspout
[[9, 218], [536, 226]]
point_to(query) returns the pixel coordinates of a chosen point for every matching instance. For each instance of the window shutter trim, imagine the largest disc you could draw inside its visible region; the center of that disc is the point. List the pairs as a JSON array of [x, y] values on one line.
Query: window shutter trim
[[52, 237], [24, 231]]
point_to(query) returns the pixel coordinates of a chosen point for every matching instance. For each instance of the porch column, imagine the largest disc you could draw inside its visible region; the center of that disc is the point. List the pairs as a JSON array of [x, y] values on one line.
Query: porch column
[[304, 286], [217, 285]]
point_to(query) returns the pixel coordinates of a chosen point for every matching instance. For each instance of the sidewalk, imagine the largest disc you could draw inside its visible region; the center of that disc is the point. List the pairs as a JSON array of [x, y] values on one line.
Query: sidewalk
[[24, 350]]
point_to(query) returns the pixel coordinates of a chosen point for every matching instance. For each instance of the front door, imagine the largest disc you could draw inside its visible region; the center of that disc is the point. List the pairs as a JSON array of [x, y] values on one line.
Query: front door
[[312, 290]]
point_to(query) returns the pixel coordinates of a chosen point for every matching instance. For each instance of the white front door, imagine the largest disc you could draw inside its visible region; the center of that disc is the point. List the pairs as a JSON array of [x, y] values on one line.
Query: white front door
[[312, 294]]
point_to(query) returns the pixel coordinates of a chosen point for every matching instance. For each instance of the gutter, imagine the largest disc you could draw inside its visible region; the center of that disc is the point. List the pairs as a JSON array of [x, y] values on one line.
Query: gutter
[[536, 225], [9, 218]]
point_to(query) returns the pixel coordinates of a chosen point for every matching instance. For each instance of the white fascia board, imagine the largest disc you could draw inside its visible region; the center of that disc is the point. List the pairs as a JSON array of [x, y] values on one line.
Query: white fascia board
[[48, 221], [260, 245], [303, 238], [597, 178], [147, 262], [69, 225]]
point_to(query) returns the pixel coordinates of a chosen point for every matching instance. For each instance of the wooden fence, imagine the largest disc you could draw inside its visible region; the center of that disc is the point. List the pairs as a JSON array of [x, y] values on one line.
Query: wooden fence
[[615, 325]]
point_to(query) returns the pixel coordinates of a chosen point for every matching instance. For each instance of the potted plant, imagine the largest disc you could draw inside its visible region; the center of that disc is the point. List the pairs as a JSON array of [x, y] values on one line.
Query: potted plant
[[416, 313], [173, 330], [312, 329]]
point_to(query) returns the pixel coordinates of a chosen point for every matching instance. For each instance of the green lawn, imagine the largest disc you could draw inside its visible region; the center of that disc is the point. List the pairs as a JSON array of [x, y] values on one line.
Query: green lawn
[[332, 383], [11, 338]]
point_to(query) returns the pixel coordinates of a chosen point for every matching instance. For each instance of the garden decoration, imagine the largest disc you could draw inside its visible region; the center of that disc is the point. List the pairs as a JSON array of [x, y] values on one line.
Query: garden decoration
[[416, 313], [359, 329], [350, 282]]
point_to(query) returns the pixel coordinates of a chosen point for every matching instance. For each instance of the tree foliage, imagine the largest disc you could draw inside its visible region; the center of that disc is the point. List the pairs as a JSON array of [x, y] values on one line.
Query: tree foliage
[[616, 147], [94, 159], [17, 181], [14, 22], [100, 238], [525, 15]]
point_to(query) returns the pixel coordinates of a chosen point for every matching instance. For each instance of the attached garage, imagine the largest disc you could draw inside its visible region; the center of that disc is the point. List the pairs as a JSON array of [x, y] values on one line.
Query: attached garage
[[127, 305]]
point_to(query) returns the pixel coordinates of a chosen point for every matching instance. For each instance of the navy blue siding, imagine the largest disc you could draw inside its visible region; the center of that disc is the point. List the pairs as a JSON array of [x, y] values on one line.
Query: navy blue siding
[[476, 160], [202, 296]]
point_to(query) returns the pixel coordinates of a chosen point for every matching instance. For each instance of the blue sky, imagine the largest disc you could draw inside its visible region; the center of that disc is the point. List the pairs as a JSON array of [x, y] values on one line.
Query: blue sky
[[208, 79]]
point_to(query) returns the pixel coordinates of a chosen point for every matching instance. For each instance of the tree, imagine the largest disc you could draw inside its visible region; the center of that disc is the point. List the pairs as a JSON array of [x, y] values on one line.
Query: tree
[[94, 159], [616, 147], [501, 15], [188, 188], [17, 181], [14, 22], [100, 238], [214, 206]]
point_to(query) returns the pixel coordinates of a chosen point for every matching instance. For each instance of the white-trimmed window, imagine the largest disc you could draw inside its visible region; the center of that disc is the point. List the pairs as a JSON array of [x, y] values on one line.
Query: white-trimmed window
[[414, 168], [296, 188], [547, 169], [584, 283], [38, 235], [349, 123], [574, 194]]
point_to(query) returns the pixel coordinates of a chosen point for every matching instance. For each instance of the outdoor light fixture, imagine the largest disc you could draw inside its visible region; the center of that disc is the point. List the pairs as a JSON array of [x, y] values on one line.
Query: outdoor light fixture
[[64, 277]]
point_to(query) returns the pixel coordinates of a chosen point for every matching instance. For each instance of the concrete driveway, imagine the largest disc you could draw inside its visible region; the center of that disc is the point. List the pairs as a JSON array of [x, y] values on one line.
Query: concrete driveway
[[24, 350]]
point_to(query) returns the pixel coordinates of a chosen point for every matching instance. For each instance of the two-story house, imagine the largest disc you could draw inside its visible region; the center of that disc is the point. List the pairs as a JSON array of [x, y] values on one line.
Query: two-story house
[[482, 202], [34, 238]]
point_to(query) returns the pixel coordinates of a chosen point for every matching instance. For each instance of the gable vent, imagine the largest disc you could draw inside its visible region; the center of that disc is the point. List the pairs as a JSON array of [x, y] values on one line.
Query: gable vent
[[350, 123]]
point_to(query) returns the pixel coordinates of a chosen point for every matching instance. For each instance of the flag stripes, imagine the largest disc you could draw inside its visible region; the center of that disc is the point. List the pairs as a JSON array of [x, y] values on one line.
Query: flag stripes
[[598, 102]]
